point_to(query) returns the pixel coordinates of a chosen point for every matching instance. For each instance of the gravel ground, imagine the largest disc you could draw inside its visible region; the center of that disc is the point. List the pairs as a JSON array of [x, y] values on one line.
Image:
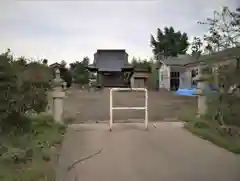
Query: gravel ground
[[86, 106]]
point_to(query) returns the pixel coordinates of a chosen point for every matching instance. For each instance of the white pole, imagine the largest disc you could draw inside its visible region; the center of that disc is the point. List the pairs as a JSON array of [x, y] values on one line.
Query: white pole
[[146, 109], [125, 108], [111, 111]]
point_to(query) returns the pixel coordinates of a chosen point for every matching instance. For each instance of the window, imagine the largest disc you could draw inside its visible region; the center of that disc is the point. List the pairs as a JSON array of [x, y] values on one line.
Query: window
[[194, 73], [175, 74]]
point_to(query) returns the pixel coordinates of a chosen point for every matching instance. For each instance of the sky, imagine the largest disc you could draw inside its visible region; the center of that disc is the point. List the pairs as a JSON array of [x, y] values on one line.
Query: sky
[[71, 30]]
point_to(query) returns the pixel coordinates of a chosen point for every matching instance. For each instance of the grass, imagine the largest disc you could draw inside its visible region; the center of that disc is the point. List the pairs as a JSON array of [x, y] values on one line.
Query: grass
[[187, 115], [32, 155], [208, 130], [230, 143]]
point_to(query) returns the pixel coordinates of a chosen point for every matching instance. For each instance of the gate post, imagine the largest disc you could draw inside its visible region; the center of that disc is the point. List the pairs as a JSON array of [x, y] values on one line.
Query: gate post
[[146, 109], [111, 110]]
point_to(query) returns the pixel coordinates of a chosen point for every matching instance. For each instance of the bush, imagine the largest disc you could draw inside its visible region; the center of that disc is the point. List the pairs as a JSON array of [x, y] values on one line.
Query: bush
[[225, 104], [23, 88], [42, 120], [212, 134], [201, 124], [8, 87], [16, 155], [27, 141], [66, 75], [26, 156]]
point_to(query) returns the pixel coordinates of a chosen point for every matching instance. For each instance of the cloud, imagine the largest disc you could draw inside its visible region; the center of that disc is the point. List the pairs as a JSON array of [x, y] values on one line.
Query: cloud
[[70, 30]]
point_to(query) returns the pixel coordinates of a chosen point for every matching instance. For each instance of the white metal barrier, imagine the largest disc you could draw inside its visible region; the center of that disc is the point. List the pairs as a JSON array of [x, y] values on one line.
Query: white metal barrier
[[145, 107]]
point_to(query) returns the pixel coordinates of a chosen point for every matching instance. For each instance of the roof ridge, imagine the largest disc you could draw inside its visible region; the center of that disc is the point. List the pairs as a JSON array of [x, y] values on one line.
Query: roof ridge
[[98, 50]]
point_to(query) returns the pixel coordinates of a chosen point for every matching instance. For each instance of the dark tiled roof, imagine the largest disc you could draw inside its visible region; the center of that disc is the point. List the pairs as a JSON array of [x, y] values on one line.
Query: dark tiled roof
[[111, 50], [54, 65], [224, 55], [188, 60], [181, 60], [110, 60], [127, 66]]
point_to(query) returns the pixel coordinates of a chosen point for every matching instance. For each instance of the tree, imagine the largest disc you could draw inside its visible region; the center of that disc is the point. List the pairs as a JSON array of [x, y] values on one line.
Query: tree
[[63, 63], [85, 61], [224, 32], [65, 73], [169, 43], [151, 66], [224, 29], [45, 61], [23, 88], [141, 63], [79, 71], [134, 61], [196, 47], [8, 87], [73, 65]]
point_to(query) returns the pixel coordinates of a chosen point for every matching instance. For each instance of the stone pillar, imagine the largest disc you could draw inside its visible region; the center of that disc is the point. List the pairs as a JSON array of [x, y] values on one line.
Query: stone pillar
[[202, 99], [202, 86], [58, 96]]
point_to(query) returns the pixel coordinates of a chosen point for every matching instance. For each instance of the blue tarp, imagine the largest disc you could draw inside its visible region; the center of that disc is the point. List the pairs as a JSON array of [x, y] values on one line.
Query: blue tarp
[[191, 91], [186, 92]]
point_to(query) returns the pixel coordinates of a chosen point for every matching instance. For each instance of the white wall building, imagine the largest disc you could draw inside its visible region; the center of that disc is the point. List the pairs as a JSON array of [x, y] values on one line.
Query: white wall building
[[173, 74], [179, 72]]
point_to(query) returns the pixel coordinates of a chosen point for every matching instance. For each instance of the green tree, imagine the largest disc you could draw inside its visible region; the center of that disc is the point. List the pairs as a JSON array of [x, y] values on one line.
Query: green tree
[[169, 43], [65, 73], [224, 29], [23, 87], [73, 65], [45, 61], [141, 63], [63, 63], [149, 65], [8, 87], [85, 61], [224, 32], [196, 47], [79, 71]]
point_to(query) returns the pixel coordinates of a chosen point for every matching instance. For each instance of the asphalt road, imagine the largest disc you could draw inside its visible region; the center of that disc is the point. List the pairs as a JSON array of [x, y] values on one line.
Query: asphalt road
[[130, 153]]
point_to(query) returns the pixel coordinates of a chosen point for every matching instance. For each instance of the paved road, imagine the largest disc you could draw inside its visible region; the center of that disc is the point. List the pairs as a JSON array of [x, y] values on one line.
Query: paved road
[[129, 153]]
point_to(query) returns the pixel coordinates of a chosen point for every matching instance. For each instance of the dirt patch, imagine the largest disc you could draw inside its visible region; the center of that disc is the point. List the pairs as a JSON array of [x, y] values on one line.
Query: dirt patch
[[84, 106]]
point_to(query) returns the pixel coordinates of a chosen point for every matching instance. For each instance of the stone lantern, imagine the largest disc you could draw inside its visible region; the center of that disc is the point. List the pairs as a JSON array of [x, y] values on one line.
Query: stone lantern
[[58, 96], [202, 86], [57, 82]]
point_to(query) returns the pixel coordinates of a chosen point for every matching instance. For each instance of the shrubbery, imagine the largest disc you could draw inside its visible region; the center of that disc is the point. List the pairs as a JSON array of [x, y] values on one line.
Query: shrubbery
[[79, 72], [28, 142], [66, 75], [26, 156], [23, 88], [224, 106]]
